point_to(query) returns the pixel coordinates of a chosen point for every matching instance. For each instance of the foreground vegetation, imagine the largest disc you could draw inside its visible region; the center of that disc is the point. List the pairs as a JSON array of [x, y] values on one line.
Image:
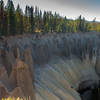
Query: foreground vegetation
[[14, 21], [18, 98]]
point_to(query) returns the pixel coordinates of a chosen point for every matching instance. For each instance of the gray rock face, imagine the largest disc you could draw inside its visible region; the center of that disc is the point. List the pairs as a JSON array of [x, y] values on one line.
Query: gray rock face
[[62, 63], [61, 79], [47, 47]]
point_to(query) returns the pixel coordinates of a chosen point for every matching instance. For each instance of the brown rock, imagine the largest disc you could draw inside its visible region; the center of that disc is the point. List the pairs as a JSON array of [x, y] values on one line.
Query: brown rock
[[29, 61], [17, 92], [3, 74], [13, 77], [20, 77], [3, 91], [5, 60]]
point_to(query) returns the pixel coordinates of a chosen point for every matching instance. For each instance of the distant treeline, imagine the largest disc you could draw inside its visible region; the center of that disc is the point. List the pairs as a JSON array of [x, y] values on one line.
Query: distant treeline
[[33, 20]]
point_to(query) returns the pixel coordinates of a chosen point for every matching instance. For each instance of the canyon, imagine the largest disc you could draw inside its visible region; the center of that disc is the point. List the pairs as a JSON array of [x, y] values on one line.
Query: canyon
[[50, 67]]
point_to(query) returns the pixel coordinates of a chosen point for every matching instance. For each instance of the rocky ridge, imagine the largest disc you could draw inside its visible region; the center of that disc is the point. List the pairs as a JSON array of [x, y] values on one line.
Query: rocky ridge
[[18, 81]]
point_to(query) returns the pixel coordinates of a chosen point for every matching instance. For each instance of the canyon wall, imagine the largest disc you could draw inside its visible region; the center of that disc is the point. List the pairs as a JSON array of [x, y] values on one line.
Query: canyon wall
[[56, 65]]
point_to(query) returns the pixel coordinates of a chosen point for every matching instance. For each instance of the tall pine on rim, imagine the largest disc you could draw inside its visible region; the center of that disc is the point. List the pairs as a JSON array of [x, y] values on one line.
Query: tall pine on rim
[[19, 20], [11, 18]]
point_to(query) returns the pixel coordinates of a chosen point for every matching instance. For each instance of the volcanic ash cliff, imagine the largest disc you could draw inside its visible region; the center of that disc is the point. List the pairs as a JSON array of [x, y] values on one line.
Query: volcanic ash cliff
[[54, 67]]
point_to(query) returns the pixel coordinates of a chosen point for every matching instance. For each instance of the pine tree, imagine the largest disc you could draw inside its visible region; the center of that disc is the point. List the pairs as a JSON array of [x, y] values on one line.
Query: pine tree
[[11, 18], [64, 29], [37, 19], [36, 11], [80, 23], [83, 25], [54, 22], [40, 21], [1, 16], [27, 25], [5, 24], [19, 20], [32, 19], [44, 22]]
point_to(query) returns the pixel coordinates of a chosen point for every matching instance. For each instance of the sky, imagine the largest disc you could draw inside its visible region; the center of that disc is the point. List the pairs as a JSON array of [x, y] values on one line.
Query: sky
[[69, 8]]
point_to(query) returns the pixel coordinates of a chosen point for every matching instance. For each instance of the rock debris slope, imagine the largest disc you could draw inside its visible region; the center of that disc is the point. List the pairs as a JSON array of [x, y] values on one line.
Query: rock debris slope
[[60, 79], [58, 65]]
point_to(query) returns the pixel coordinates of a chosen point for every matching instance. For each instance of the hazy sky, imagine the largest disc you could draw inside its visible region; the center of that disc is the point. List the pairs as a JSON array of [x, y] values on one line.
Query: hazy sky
[[69, 8]]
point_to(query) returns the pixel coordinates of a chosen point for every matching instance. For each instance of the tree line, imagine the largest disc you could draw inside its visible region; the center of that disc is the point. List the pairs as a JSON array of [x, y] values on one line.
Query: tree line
[[33, 20]]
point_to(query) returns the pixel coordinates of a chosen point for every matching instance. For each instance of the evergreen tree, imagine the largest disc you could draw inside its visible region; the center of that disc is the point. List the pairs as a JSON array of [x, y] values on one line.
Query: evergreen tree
[[36, 11], [5, 24], [44, 22], [80, 23], [88, 27], [37, 19], [54, 22], [40, 21], [19, 20], [11, 18], [64, 29], [83, 25], [1, 18], [32, 19], [27, 25]]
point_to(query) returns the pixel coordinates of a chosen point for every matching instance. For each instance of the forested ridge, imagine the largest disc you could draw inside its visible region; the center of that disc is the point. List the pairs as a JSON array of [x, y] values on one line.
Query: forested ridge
[[33, 20]]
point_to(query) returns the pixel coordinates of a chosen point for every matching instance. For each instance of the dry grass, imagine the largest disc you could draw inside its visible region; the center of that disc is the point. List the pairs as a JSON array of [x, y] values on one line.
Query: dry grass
[[18, 98]]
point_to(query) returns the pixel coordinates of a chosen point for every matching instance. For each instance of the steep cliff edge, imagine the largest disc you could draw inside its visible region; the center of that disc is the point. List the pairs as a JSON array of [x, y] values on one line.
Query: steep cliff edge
[[58, 65]]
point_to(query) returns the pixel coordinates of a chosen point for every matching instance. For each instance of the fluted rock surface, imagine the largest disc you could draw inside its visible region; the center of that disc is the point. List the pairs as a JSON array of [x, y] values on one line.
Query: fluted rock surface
[[61, 78], [58, 65], [19, 83], [20, 77], [3, 91]]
